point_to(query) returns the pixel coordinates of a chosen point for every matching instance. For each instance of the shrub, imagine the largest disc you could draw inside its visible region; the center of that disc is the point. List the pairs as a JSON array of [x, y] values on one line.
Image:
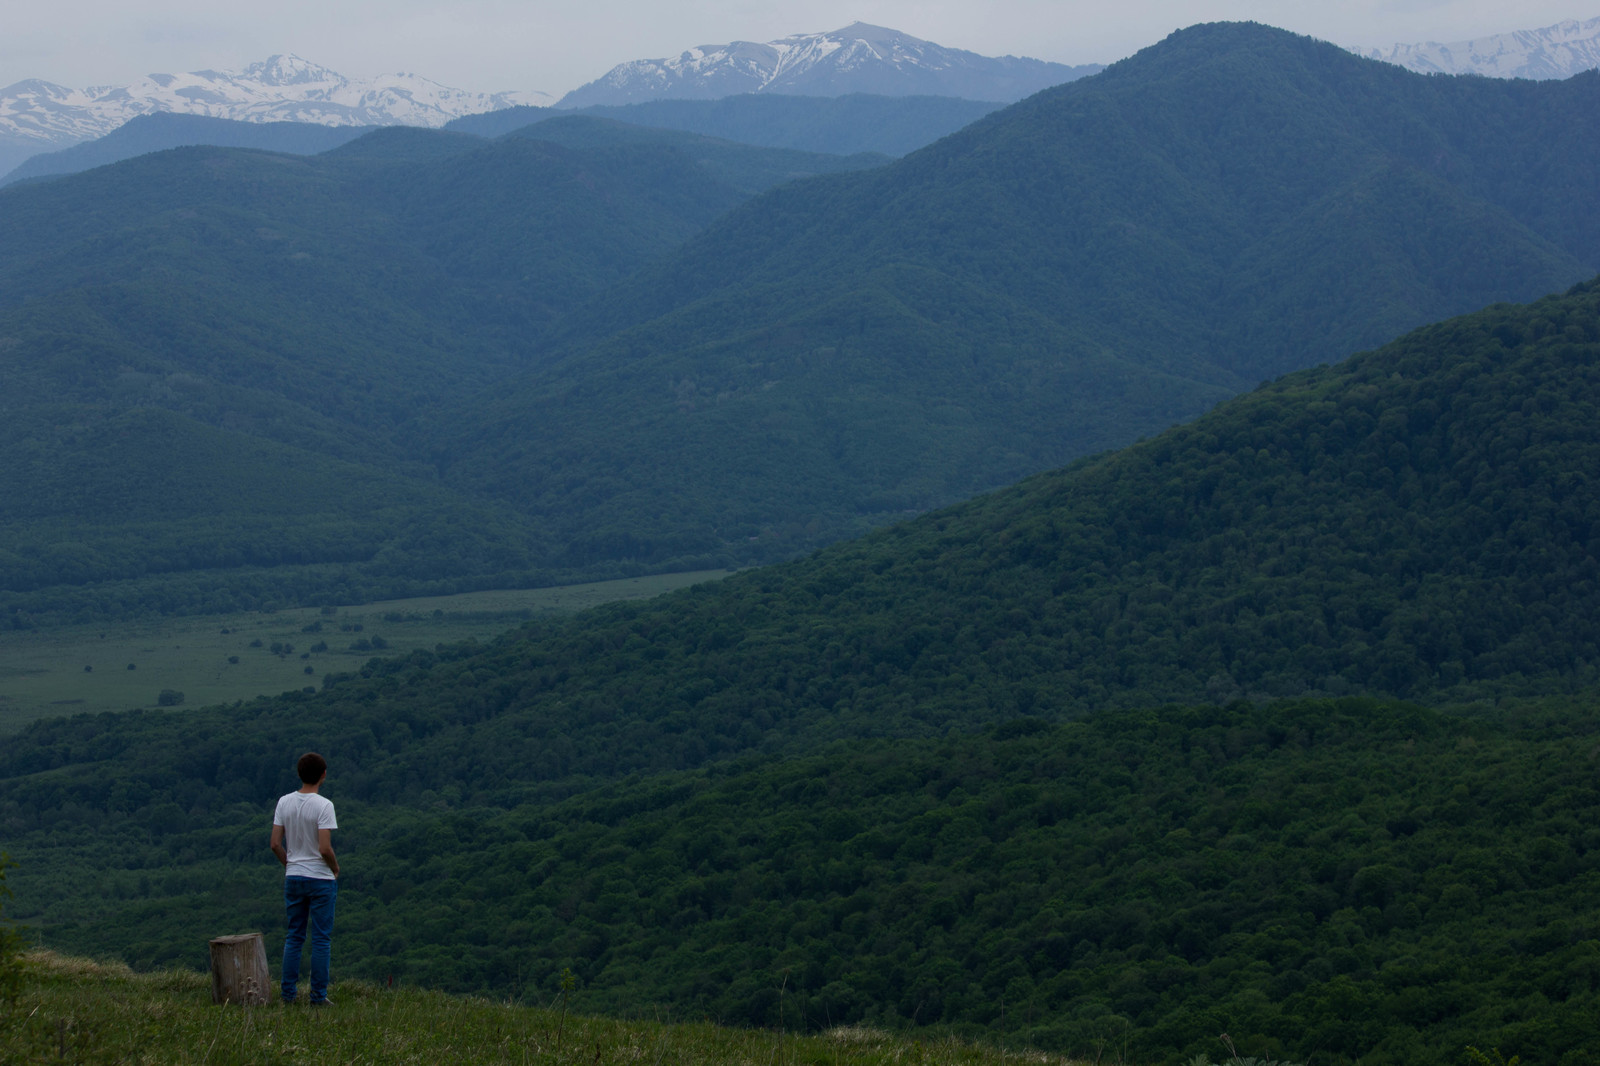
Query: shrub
[[10, 943], [169, 697]]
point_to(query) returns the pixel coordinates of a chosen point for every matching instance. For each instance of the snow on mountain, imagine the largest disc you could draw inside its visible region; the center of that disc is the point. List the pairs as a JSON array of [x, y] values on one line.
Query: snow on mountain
[[856, 59], [1558, 51], [40, 116]]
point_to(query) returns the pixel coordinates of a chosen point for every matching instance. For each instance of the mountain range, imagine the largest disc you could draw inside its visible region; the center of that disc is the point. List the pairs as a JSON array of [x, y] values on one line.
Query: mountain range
[[856, 59], [674, 356], [1558, 51], [38, 116]]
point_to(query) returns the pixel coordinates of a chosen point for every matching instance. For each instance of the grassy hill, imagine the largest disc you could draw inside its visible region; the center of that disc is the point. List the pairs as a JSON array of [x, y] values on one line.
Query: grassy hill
[[83, 1011], [915, 777]]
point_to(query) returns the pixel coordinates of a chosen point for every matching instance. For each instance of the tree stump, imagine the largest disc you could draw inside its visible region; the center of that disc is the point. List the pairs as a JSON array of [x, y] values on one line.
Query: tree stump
[[239, 970]]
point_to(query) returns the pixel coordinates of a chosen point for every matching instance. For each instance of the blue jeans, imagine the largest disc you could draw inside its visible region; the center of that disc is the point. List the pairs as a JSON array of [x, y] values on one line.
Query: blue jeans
[[308, 899]]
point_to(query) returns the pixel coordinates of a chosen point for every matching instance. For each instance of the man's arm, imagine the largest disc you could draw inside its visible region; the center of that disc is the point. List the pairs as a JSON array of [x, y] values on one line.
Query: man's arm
[[325, 846], [277, 845]]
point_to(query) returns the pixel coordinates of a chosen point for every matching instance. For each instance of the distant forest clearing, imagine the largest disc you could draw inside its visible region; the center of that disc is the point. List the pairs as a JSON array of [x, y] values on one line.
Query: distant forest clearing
[[116, 667]]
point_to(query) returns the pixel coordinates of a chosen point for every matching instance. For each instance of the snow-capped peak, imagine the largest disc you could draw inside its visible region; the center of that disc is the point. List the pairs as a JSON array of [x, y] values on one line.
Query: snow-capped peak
[[858, 58], [1558, 51], [281, 88], [283, 70]]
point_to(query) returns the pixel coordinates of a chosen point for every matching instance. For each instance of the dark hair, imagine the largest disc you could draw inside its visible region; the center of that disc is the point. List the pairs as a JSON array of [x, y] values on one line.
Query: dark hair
[[311, 767]]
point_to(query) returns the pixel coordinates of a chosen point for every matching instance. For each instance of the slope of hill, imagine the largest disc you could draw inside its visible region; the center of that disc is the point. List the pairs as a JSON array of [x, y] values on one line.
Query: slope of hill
[[1558, 51], [1415, 522], [1093, 264], [842, 125], [162, 130], [857, 59], [109, 1007], [316, 303], [1371, 880]]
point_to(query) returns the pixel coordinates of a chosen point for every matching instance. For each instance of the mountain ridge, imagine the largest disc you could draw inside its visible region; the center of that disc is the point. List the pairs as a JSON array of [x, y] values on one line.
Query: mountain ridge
[[1559, 51], [39, 116], [1087, 266], [161, 130], [856, 58]]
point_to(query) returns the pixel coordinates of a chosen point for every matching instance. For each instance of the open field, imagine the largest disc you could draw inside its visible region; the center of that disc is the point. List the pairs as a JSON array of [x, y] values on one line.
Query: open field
[[221, 658], [78, 1011]]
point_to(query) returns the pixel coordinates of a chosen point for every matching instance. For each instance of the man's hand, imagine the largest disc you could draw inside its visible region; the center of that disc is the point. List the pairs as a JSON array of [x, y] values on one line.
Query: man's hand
[[325, 847], [277, 845]]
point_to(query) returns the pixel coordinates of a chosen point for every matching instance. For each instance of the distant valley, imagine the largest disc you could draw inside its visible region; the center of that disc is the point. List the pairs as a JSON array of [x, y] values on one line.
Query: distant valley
[[1124, 736]]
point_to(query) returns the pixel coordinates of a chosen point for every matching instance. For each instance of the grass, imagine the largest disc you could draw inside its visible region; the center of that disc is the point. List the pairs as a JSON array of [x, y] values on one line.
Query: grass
[[77, 1011], [74, 669]]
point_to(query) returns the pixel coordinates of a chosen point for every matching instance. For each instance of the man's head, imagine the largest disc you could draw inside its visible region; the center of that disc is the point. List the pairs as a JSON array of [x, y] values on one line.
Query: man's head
[[311, 768]]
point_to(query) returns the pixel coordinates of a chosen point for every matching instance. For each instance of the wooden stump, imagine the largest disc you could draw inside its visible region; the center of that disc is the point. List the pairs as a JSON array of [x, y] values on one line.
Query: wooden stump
[[239, 970]]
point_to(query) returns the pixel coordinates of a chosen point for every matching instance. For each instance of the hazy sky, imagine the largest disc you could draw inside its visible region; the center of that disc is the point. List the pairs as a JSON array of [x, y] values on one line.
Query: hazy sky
[[539, 45]]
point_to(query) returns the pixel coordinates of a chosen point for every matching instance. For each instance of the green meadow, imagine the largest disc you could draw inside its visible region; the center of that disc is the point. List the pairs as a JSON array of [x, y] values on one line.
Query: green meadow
[[222, 658], [73, 1010]]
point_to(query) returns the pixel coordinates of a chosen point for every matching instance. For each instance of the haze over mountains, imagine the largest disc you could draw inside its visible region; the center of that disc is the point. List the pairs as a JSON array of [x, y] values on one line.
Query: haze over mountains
[[37, 116]]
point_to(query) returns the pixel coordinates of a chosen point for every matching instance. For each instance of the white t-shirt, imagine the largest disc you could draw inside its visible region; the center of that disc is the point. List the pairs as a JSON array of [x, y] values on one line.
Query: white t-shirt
[[301, 814]]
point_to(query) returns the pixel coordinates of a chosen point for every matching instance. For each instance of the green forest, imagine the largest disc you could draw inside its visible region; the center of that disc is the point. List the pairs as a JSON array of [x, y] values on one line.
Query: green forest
[[1277, 724], [1349, 879]]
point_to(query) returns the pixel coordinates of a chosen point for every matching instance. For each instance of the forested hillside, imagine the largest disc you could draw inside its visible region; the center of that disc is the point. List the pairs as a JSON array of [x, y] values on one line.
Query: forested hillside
[[1414, 522], [1350, 880], [1094, 264], [212, 356], [608, 355], [1374, 880]]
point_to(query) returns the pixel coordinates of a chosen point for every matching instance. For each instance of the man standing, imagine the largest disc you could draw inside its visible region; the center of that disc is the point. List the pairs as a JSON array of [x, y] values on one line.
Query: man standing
[[302, 840]]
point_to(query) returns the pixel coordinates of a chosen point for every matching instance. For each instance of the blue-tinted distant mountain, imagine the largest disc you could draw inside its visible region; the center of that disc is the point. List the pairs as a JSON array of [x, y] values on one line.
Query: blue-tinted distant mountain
[[841, 125], [856, 59], [162, 130]]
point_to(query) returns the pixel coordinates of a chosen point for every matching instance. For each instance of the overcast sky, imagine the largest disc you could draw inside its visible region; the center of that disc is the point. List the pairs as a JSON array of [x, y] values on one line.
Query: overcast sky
[[492, 45]]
